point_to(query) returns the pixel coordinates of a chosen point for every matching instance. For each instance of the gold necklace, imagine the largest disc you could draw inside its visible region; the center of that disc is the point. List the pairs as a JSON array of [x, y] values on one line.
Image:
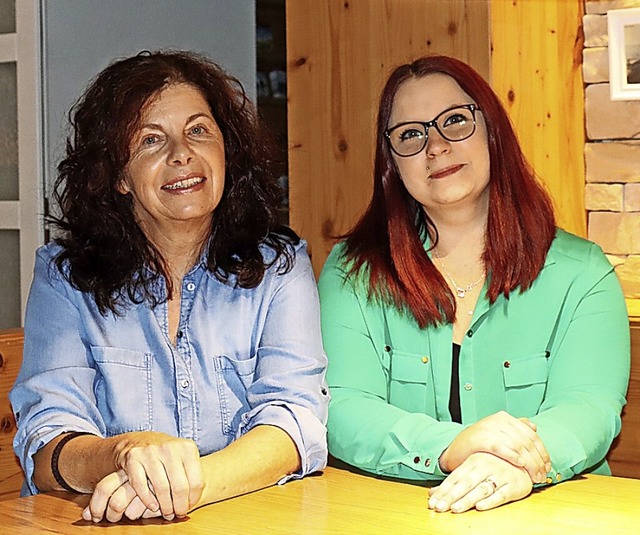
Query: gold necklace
[[461, 291]]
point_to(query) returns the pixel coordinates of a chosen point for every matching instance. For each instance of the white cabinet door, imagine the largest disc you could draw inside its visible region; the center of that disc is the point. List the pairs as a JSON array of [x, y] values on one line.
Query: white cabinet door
[[21, 230]]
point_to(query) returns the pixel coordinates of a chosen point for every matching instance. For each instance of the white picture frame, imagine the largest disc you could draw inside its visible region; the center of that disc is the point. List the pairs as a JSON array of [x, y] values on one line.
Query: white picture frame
[[623, 28]]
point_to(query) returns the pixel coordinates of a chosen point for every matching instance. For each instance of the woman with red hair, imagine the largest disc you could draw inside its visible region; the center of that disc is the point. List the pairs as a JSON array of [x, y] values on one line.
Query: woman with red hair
[[469, 339]]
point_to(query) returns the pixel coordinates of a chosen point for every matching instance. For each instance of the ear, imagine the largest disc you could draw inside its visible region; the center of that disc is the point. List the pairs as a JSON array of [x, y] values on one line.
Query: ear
[[123, 186]]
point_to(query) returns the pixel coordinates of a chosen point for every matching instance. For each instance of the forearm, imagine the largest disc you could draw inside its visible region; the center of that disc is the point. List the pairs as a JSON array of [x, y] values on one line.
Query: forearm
[[82, 462], [378, 437], [258, 459], [588, 378], [577, 436]]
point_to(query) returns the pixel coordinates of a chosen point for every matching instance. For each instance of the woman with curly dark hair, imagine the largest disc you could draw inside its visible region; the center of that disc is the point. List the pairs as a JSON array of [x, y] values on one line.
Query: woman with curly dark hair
[[172, 342]]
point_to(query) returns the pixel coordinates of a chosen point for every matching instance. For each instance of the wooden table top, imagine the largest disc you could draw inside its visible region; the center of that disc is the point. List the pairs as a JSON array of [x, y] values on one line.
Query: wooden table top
[[342, 502]]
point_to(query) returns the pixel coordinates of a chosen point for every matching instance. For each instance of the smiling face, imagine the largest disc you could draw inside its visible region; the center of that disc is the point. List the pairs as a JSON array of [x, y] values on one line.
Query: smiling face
[[176, 168], [445, 174]]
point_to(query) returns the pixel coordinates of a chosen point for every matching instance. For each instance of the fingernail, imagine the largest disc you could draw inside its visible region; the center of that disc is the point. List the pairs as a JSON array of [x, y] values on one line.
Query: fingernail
[[432, 503], [169, 517], [86, 514], [441, 505]]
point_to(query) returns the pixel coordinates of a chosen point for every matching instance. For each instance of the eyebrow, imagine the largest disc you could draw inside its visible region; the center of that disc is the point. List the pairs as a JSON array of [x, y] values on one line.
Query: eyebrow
[[199, 114], [452, 107], [156, 126]]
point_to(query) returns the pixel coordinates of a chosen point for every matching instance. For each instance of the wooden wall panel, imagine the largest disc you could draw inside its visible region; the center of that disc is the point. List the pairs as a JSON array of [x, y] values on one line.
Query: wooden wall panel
[[339, 53], [623, 457], [11, 342], [536, 69]]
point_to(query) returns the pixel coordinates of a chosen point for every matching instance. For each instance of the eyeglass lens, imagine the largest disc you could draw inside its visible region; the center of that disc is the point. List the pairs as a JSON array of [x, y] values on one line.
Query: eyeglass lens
[[454, 125]]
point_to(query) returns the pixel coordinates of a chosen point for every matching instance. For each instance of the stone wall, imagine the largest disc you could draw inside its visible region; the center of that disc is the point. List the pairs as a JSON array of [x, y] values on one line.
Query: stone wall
[[612, 153]]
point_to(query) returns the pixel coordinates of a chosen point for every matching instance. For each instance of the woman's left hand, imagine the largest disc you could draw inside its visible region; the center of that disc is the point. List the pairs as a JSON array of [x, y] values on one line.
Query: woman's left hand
[[114, 498], [483, 481]]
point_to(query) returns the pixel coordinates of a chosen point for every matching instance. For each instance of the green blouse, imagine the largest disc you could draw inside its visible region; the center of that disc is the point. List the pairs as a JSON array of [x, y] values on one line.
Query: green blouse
[[557, 353]]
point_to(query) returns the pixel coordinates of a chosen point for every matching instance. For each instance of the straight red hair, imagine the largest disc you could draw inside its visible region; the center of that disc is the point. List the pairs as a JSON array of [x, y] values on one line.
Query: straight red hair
[[388, 241]]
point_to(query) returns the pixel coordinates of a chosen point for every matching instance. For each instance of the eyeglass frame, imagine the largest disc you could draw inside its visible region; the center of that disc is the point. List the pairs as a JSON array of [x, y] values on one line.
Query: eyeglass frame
[[433, 123]]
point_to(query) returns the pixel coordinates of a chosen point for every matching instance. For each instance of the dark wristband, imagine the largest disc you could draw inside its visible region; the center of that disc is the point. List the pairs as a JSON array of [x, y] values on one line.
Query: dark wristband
[[56, 455]]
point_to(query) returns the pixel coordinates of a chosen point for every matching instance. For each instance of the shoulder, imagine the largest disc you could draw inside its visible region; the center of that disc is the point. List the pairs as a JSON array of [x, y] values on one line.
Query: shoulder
[[49, 251], [336, 264], [573, 252], [46, 257], [574, 262], [290, 247], [337, 259], [337, 273], [285, 263]]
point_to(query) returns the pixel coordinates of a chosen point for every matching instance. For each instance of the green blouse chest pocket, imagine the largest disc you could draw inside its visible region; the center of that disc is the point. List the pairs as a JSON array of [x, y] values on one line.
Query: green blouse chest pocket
[[409, 381], [525, 383]]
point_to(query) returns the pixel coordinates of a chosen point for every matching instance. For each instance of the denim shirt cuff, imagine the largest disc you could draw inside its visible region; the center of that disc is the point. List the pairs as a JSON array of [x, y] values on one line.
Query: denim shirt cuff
[[306, 431]]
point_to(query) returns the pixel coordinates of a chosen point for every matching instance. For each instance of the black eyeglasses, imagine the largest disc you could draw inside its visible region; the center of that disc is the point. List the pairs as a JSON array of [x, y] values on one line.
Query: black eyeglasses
[[455, 124]]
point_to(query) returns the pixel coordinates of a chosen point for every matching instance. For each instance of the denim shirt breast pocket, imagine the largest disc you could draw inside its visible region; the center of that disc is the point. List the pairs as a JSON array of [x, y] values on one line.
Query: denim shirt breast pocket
[[525, 383], [410, 381], [123, 389], [235, 376]]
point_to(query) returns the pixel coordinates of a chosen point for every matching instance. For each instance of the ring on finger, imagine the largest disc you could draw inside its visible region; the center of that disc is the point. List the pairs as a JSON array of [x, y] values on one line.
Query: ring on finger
[[492, 483]]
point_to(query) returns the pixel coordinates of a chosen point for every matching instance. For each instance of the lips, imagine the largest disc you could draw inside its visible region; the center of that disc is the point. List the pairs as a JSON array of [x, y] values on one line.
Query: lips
[[442, 173], [184, 183]]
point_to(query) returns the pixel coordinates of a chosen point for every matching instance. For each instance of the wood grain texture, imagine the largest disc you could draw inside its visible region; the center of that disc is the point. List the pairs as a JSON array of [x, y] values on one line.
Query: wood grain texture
[[536, 70], [340, 502], [339, 55], [624, 456], [11, 341]]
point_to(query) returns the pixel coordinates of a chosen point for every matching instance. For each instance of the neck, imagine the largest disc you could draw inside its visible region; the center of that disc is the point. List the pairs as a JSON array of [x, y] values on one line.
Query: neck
[[461, 243], [180, 246], [461, 233]]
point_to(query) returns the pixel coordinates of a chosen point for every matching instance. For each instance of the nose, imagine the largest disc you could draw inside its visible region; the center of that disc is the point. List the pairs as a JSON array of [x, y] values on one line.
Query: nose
[[180, 152], [436, 144]]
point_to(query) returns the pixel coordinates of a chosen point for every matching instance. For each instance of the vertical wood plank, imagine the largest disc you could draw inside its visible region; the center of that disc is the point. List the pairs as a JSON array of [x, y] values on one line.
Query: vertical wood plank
[[11, 342], [623, 457], [536, 70], [339, 53]]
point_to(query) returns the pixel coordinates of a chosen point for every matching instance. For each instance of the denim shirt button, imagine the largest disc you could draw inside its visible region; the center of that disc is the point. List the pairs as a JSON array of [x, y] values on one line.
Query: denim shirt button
[[184, 383], [191, 286]]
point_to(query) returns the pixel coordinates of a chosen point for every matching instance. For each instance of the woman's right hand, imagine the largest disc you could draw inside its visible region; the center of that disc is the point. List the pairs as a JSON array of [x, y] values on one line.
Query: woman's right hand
[[164, 471], [513, 439]]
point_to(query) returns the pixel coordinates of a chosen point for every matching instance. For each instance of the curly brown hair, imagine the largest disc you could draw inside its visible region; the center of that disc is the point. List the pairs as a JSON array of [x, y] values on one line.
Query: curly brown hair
[[103, 246]]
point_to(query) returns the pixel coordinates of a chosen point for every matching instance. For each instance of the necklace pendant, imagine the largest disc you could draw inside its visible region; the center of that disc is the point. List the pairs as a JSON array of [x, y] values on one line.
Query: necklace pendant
[[461, 292]]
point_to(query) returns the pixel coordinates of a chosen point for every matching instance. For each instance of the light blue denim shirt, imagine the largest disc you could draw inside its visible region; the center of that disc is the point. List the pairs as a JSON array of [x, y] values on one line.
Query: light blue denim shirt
[[244, 357]]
